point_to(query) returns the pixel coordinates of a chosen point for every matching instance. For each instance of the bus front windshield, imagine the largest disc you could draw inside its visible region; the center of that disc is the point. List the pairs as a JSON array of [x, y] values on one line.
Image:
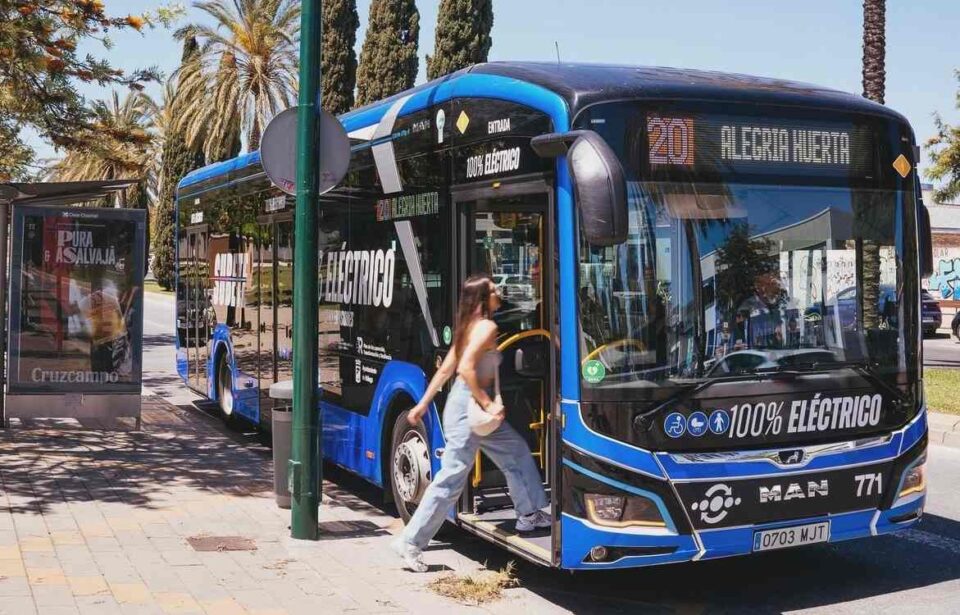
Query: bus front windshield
[[732, 279]]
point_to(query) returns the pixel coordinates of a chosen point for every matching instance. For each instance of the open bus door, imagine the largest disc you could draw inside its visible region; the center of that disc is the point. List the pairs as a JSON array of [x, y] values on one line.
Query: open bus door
[[507, 233]]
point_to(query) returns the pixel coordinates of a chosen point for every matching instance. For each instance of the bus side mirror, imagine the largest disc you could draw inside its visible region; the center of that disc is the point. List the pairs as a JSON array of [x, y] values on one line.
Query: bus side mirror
[[925, 241], [599, 183]]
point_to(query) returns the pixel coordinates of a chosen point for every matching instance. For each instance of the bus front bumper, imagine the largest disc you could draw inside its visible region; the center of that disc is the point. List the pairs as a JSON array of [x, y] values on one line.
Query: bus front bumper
[[722, 509], [625, 550]]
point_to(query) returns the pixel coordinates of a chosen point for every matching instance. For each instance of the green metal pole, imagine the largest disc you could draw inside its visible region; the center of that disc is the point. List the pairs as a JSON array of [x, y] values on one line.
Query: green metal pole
[[304, 467]]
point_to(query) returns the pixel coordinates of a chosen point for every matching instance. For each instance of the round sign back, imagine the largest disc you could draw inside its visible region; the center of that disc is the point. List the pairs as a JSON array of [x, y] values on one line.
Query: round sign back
[[278, 151]]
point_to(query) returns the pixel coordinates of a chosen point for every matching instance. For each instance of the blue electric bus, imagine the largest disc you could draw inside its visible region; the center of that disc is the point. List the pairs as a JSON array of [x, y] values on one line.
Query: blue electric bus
[[711, 318]]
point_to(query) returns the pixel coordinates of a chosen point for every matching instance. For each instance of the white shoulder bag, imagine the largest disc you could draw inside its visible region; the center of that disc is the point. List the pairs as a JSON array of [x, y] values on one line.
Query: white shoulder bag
[[481, 422]]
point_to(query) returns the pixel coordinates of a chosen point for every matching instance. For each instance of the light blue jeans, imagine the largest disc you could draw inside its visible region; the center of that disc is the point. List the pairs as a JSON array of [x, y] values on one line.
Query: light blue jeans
[[505, 448]]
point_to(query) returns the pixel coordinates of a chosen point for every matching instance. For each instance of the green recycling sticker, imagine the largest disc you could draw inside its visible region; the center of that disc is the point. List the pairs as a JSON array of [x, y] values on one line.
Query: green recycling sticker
[[447, 334], [594, 371]]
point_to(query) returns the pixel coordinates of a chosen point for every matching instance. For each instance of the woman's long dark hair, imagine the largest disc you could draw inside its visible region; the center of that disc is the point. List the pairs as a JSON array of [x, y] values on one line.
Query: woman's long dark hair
[[475, 291]]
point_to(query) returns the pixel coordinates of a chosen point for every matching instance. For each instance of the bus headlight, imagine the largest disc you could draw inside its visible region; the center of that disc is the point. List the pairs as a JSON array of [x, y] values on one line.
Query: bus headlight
[[915, 478], [622, 510]]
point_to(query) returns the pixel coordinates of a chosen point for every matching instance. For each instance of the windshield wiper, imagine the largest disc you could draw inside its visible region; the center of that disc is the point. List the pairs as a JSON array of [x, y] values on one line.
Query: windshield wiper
[[864, 368], [642, 420]]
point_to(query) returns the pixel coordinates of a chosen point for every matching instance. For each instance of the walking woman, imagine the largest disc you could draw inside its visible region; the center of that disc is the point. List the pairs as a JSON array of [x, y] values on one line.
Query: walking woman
[[475, 360]]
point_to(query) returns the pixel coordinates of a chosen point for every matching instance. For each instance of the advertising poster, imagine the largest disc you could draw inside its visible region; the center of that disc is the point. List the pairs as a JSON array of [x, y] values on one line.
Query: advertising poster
[[76, 300]]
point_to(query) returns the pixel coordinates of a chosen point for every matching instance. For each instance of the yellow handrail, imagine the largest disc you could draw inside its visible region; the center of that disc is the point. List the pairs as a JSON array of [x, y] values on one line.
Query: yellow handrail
[[513, 339], [617, 344]]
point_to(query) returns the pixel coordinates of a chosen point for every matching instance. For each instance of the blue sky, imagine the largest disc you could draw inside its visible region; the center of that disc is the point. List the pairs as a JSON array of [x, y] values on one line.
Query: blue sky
[[816, 41]]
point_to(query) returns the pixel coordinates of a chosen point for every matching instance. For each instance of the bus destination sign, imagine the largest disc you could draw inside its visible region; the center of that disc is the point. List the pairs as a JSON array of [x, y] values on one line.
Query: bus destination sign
[[754, 145]]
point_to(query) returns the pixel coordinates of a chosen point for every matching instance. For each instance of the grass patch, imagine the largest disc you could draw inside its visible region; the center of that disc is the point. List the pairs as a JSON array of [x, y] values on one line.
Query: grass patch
[[151, 286], [943, 389], [477, 588]]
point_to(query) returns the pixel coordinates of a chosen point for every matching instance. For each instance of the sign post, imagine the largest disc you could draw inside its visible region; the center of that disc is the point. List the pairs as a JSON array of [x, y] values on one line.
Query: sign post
[[304, 470]]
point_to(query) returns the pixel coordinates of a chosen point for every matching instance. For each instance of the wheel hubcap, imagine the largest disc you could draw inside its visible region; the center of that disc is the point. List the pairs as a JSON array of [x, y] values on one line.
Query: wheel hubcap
[[411, 467]]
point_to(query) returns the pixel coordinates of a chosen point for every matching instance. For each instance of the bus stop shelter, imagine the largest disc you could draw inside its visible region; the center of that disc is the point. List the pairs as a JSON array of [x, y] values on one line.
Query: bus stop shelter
[[39, 193]]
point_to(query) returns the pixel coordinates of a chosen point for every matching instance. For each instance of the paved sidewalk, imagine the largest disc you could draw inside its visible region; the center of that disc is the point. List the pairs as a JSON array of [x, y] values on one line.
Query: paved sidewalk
[[98, 522], [944, 428]]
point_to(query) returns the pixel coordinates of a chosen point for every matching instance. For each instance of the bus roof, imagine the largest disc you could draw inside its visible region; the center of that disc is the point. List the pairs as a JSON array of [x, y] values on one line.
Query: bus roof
[[578, 86]]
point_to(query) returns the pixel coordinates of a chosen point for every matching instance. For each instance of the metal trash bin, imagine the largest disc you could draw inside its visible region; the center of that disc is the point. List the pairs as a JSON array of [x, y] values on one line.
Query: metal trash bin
[[282, 426]]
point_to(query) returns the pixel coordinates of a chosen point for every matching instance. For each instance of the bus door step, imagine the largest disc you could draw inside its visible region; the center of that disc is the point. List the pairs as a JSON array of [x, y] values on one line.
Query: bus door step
[[494, 498]]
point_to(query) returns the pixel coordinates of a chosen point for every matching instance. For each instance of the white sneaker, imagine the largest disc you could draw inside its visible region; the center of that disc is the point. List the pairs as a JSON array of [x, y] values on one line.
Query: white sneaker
[[536, 520], [410, 555]]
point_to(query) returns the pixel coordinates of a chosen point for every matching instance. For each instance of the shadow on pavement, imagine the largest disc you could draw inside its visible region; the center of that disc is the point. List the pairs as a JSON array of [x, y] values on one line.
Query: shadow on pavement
[[775, 582], [44, 465]]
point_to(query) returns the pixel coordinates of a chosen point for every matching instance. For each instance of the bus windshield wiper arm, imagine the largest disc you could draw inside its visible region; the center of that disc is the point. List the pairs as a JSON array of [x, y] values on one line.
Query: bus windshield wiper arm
[[863, 368], [642, 420]]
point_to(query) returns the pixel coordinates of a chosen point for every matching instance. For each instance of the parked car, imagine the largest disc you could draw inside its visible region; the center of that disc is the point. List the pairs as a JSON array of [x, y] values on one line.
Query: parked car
[[845, 304], [930, 314], [519, 287], [955, 325]]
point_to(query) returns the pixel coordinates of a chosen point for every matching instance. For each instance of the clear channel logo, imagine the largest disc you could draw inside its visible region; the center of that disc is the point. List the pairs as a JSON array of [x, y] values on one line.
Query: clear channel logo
[[717, 502]]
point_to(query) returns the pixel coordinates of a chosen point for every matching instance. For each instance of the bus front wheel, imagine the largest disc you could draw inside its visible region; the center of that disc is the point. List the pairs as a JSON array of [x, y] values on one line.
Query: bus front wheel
[[410, 471], [225, 390]]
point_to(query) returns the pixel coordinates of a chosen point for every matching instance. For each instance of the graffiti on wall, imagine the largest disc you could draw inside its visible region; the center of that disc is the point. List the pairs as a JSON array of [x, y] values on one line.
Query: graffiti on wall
[[946, 274]]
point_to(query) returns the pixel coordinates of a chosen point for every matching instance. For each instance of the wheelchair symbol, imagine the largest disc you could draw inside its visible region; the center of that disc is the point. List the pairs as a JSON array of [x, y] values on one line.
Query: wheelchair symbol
[[674, 425]]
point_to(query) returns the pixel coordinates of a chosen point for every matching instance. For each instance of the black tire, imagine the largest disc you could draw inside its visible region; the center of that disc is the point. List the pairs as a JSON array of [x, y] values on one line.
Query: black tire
[[408, 490], [956, 331], [225, 399]]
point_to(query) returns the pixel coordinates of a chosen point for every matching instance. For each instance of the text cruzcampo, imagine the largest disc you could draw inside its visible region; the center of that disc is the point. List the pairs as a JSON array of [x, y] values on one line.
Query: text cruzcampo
[[797, 146], [360, 277]]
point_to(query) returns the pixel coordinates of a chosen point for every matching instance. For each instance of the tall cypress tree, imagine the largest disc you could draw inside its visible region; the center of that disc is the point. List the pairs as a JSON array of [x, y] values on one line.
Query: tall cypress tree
[[463, 36], [340, 23], [178, 159], [388, 59]]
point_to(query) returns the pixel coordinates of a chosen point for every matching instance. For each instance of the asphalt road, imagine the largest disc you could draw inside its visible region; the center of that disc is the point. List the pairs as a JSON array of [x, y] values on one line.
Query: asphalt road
[[917, 571], [941, 351]]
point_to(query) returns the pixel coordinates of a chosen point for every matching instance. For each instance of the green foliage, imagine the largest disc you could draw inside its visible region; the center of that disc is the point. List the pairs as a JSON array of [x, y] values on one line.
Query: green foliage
[[944, 151], [16, 158], [941, 386], [245, 74], [462, 37], [388, 59], [177, 159], [746, 269], [121, 146], [340, 23], [40, 67]]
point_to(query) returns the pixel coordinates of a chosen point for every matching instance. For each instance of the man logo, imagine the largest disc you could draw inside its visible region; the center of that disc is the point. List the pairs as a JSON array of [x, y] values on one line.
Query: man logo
[[716, 503], [790, 458], [794, 491]]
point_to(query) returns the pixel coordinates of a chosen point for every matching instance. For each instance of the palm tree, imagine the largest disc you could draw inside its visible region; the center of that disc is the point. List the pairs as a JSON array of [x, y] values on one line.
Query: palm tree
[[245, 74], [874, 86], [122, 145]]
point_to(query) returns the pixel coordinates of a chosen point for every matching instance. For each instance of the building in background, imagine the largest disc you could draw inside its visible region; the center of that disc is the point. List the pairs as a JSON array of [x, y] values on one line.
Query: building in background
[[944, 284]]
